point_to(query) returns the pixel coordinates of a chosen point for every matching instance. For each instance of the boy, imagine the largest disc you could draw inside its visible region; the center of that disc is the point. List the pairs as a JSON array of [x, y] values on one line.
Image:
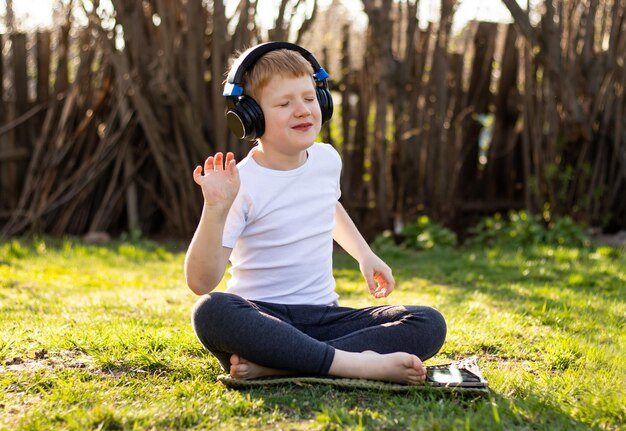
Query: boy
[[275, 215]]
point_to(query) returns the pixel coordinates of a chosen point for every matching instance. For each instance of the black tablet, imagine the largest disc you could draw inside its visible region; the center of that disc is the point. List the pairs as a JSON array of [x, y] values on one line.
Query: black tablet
[[451, 375]]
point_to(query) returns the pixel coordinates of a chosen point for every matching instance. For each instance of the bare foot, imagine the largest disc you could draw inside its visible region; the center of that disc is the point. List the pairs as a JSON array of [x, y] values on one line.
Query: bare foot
[[241, 368], [396, 367]]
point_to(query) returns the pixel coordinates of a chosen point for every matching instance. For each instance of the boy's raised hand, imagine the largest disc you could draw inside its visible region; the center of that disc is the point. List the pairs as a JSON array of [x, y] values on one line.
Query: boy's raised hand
[[220, 182]]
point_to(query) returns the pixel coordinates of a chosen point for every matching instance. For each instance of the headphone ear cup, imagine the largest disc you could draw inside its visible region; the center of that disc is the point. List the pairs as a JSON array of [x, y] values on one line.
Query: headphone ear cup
[[258, 119], [246, 119], [326, 103]]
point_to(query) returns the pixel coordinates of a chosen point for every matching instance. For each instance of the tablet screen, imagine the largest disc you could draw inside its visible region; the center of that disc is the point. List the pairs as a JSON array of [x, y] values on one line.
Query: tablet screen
[[451, 376]]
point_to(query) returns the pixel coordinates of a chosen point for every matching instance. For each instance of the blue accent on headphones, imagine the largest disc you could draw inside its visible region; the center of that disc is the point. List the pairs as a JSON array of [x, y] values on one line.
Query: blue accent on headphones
[[321, 74], [232, 90]]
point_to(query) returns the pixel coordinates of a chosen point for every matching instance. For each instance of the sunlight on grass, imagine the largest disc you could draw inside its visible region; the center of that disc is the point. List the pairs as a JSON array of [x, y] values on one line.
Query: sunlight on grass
[[99, 337]]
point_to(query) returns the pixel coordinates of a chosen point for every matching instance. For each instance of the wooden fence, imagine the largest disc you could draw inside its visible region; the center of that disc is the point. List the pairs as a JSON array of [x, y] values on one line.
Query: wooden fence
[[423, 128]]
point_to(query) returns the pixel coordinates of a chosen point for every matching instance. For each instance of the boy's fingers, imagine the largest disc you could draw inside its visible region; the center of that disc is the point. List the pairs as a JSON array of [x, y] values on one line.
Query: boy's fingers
[[232, 167], [386, 280], [209, 165], [219, 162], [231, 163], [384, 284], [196, 174]]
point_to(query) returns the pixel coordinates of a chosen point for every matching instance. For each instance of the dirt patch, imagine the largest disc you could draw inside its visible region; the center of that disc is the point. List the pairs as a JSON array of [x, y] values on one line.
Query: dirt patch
[[14, 406], [17, 402], [42, 359]]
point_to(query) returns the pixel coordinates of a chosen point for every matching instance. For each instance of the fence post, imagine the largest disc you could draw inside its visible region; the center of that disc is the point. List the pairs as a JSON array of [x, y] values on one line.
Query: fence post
[[43, 66], [479, 96], [503, 173], [63, 47], [15, 169], [20, 78], [5, 190], [1, 78]]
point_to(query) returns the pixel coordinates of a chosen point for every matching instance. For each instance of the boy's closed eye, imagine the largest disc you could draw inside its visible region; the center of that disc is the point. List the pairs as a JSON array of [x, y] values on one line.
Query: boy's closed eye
[[286, 103]]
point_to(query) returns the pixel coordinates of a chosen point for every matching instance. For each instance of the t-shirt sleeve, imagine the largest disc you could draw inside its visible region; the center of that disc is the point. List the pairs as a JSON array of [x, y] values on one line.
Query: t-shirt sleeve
[[336, 158], [338, 191], [235, 221]]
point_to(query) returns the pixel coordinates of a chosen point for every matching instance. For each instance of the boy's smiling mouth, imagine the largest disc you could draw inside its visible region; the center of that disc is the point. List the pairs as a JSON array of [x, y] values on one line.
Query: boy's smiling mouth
[[303, 126]]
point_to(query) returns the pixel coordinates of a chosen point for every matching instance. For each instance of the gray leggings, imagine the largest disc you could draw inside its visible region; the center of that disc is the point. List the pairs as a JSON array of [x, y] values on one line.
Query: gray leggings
[[303, 338]]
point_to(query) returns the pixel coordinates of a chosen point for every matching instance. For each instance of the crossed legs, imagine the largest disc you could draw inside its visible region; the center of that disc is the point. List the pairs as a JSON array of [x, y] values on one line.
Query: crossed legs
[[253, 338]]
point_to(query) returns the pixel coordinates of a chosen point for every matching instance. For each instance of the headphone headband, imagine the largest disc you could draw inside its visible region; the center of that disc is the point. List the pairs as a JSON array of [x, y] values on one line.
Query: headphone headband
[[251, 55], [247, 59]]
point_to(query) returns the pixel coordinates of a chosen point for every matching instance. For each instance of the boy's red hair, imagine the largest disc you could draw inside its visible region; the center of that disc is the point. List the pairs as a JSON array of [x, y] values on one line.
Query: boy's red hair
[[281, 62]]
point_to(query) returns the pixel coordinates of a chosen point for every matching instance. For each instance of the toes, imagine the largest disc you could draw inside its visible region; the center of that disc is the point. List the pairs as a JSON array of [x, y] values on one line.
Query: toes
[[235, 359], [412, 361], [415, 377], [233, 371], [418, 365], [239, 371], [414, 380]]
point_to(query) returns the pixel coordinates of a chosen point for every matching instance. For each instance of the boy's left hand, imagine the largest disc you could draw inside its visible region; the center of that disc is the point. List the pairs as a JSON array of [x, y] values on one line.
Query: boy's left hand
[[377, 275]]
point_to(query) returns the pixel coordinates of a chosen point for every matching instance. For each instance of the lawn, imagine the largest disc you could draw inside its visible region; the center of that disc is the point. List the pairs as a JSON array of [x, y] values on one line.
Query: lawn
[[99, 337]]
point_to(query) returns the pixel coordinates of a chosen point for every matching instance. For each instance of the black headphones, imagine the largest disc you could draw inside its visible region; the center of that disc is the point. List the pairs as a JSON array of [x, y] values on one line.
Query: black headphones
[[244, 116]]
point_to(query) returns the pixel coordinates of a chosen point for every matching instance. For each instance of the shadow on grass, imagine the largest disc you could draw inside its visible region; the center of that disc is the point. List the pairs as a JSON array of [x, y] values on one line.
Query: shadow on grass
[[336, 408], [548, 310], [529, 290]]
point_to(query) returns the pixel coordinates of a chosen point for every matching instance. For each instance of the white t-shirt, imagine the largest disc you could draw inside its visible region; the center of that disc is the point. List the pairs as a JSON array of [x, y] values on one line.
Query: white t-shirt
[[280, 229]]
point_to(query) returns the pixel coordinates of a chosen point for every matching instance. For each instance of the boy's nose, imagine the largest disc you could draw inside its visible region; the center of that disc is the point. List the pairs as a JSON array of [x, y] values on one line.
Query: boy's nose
[[303, 110]]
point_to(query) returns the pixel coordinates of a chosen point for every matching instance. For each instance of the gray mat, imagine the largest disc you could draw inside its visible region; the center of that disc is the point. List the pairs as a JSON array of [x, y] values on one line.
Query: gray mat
[[478, 385]]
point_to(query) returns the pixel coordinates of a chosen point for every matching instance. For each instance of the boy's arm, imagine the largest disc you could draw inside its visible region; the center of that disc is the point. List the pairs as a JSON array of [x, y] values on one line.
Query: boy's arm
[[206, 258], [376, 272]]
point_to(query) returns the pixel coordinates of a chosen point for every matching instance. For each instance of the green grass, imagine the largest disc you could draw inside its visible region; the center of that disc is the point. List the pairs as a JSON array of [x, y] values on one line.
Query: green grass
[[99, 337]]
